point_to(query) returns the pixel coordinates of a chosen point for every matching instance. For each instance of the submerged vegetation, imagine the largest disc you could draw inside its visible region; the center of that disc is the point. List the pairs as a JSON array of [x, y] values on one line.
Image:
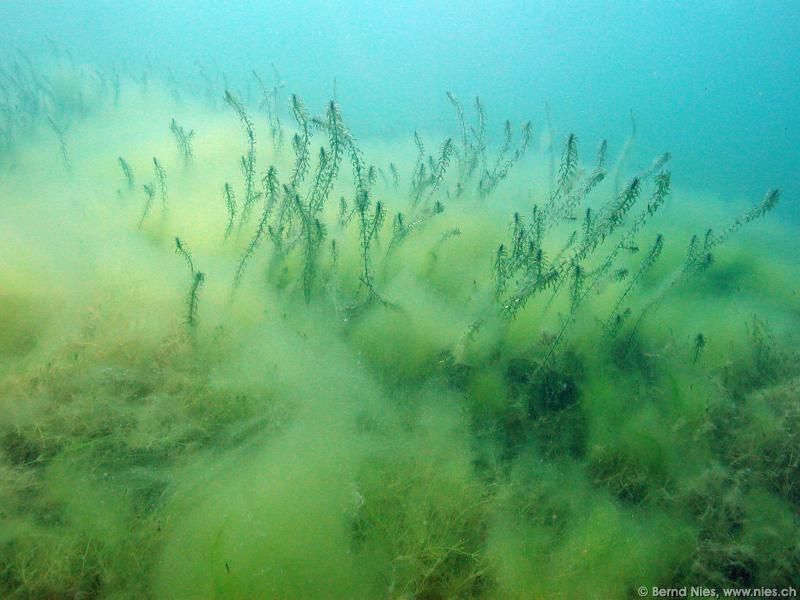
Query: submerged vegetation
[[488, 371]]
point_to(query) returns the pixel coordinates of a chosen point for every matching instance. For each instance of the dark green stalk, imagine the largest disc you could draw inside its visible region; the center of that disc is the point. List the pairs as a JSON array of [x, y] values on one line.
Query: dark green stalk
[[301, 143], [491, 180], [272, 188], [578, 276], [62, 144], [699, 346], [602, 152], [127, 171], [478, 158], [448, 148], [419, 175], [181, 248], [566, 171], [314, 236], [230, 206], [657, 199], [269, 102], [329, 162], [194, 295], [197, 282], [769, 202], [462, 156], [578, 192], [150, 192], [161, 178], [248, 162], [183, 139], [501, 271], [401, 228], [369, 227], [646, 265]]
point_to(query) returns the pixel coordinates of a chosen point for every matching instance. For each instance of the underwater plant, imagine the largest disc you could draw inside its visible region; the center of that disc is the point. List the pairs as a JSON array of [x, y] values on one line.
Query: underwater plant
[[126, 171], [230, 206], [150, 193], [271, 187], [161, 180], [62, 144], [247, 162], [183, 139], [198, 278], [269, 102]]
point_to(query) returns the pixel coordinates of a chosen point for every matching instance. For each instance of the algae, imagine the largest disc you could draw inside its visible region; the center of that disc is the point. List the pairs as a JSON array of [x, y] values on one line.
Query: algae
[[492, 393]]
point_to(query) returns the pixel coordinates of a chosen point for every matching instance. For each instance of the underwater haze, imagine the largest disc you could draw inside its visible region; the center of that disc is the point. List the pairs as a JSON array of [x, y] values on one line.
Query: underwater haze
[[714, 82], [398, 300]]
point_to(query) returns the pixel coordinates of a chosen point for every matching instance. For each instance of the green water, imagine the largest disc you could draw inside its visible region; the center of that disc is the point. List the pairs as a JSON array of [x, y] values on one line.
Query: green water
[[377, 368]]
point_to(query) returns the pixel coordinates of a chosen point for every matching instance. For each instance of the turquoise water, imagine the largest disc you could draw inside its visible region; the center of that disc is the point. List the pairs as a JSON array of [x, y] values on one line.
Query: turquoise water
[[713, 82]]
